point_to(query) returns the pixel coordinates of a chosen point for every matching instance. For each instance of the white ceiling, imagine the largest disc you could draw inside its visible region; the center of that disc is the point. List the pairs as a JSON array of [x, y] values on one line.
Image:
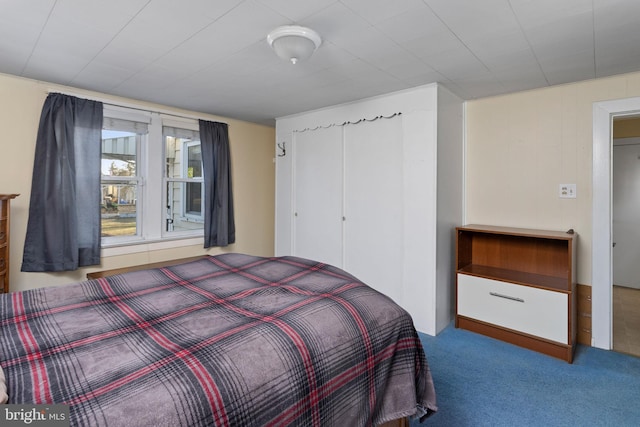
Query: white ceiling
[[212, 55]]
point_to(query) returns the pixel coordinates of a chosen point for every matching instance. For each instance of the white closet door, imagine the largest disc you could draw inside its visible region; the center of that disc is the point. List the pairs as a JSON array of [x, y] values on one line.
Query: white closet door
[[318, 195], [374, 228]]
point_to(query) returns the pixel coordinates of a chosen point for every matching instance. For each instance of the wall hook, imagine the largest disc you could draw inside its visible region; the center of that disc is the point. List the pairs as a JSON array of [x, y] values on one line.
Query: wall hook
[[283, 149]]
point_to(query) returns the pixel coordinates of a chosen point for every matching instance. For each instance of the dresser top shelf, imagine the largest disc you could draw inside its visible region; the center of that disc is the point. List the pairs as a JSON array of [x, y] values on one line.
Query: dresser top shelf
[[523, 232]]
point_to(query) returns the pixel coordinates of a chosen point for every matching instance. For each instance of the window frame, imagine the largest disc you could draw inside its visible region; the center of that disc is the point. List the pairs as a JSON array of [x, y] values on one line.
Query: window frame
[[185, 162], [151, 198], [138, 179], [193, 126]]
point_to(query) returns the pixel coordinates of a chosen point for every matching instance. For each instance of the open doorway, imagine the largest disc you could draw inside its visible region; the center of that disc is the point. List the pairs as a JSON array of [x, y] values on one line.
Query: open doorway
[[604, 112], [626, 234]]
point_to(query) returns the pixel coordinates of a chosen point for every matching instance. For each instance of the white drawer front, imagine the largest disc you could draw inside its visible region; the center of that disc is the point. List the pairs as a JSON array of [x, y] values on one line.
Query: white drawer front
[[522, 308]]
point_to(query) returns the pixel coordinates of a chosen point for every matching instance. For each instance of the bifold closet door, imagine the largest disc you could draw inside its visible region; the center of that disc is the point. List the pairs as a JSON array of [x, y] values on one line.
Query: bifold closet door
[[318, 195], [374, 231]]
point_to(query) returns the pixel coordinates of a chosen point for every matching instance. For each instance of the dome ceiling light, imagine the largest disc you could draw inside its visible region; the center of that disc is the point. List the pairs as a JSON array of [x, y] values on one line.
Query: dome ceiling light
[[294, 43]]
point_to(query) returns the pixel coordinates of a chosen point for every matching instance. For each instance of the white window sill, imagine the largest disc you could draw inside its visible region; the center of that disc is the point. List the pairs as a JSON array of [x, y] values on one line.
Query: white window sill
[[149, 246]]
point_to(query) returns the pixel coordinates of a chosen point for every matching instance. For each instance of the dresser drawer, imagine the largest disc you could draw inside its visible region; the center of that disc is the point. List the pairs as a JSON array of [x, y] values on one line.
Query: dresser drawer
[[526, 309], [3, 258], [3, 231]]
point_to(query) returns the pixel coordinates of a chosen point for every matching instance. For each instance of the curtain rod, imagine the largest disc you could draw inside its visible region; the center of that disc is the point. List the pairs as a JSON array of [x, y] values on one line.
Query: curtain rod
[[130, 105]]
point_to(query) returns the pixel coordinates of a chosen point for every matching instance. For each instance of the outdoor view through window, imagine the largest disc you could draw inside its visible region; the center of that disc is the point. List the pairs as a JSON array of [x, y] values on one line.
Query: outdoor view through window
[[119, 183], [184, 190], [122, 210]]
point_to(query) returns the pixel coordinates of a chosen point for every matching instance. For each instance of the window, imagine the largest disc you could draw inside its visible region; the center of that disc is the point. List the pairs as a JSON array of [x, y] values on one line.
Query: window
[[121, 179], [193, 200], [151, 178], [183, 178]]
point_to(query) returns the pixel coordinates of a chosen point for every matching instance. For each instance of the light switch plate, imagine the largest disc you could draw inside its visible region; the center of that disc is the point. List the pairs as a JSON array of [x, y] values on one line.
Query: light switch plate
[[567, 191]]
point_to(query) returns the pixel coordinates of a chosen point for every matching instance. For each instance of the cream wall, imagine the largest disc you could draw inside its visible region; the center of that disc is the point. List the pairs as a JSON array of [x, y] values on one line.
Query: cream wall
[[521, 146], [253, 175]]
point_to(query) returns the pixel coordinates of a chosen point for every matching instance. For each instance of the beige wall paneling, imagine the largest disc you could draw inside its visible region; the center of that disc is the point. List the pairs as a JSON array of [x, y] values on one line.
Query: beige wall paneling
[[521, 146]]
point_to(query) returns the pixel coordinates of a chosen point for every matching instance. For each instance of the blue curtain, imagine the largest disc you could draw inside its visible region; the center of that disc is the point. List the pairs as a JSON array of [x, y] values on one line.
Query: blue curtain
[[63, 232], [219, 225]]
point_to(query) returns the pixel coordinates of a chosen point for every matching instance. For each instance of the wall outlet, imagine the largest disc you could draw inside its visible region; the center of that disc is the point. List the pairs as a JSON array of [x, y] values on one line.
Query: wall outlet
[[567, 191]]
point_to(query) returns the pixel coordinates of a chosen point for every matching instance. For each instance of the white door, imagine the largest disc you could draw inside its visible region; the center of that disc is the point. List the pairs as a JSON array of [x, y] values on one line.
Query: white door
[[374, 226], [626, 213], [318, 195]]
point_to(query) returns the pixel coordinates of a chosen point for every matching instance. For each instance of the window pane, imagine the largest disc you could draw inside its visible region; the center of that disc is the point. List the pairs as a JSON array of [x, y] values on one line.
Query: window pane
[[119, 208], [184, 192], [183, 158], [183, 216], [118, 153], [119, 196], [194, 198], [172, 157], [195, 161]]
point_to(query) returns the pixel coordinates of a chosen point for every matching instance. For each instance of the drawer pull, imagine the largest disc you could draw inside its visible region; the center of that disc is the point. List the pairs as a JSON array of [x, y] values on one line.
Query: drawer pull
[[495, 294]]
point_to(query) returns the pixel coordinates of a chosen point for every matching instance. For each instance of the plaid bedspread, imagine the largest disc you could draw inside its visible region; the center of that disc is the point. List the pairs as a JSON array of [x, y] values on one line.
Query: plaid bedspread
[[229, 340]]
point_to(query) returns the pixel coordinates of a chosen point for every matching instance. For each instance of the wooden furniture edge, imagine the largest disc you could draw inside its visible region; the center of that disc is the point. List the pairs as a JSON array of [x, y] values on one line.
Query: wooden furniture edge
[[401, 422], [159, 264], [557, 350], [4, 287], [584, 314], [523, 232]]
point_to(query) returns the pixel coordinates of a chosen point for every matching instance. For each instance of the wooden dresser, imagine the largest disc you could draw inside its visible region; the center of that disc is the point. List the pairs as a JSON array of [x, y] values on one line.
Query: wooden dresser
[[5, 211], [518, 285]]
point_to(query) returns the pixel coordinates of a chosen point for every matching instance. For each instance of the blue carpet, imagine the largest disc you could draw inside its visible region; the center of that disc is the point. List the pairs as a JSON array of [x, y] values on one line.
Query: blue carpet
[[481, 381]]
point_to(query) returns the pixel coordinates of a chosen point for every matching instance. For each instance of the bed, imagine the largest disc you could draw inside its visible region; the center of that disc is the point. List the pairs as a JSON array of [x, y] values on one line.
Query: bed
[[228, 340]]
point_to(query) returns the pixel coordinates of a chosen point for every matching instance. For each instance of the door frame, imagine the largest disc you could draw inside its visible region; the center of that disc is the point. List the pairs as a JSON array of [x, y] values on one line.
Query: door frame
[[601, 249]]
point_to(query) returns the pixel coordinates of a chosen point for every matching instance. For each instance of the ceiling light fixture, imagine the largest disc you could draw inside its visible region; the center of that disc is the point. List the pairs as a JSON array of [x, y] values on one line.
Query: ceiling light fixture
[[294, 43]]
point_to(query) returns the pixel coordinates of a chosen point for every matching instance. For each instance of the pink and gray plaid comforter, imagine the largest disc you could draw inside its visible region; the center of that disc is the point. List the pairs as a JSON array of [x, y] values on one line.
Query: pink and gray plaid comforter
[[230, 340]]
